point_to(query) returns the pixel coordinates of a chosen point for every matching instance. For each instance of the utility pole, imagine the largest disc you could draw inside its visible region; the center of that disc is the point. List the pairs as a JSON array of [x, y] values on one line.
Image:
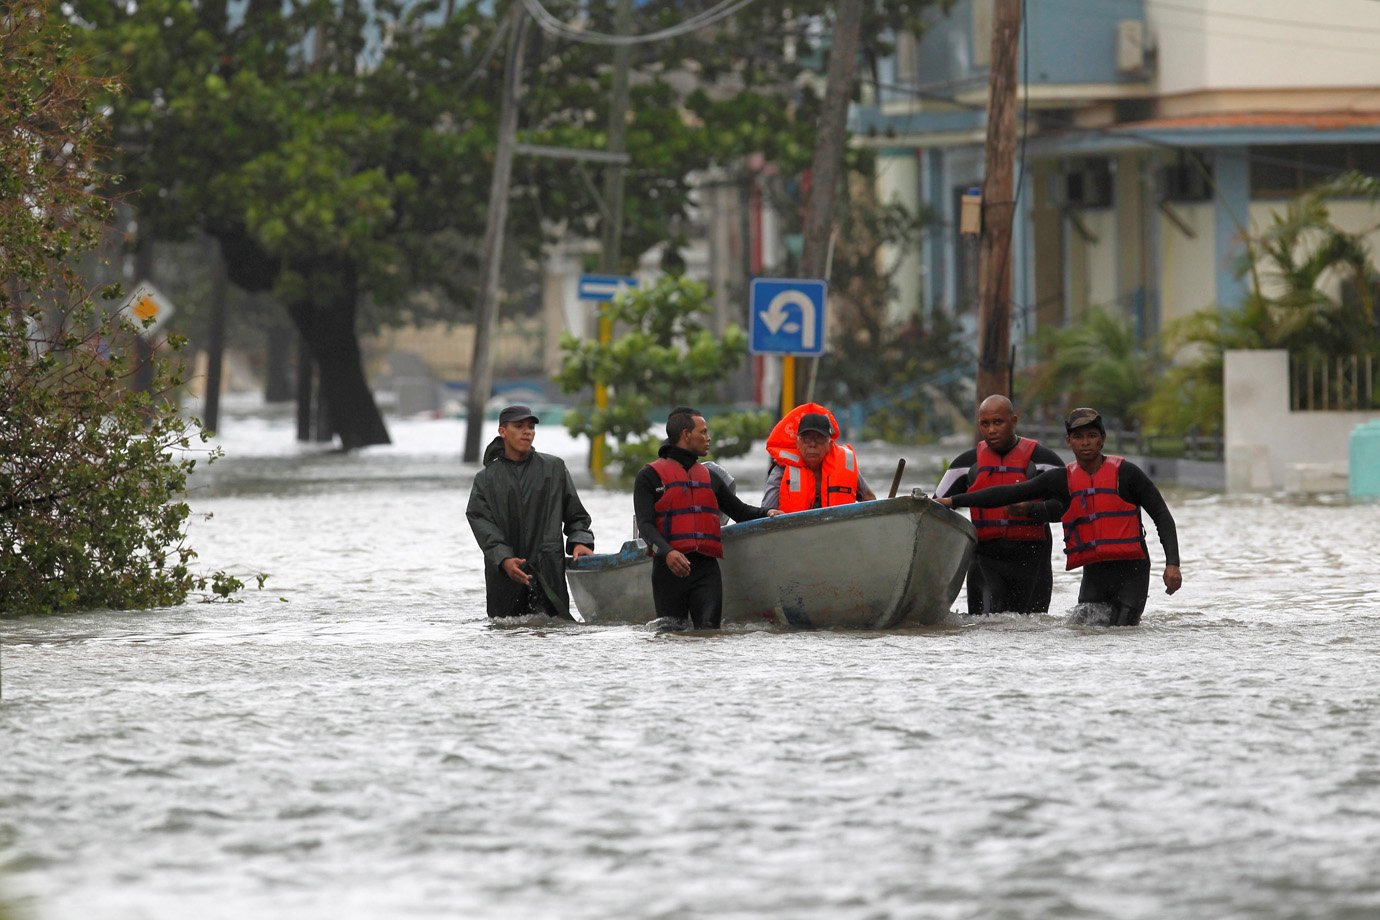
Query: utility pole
[[611, 252], [481, 369], [828, 160], [998, 207]]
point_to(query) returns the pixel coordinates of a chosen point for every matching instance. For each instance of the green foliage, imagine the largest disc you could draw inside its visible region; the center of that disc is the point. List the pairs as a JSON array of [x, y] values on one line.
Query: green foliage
[[875, 359], [1294, 265], [663, 355], [1094, 362], [91, 472]]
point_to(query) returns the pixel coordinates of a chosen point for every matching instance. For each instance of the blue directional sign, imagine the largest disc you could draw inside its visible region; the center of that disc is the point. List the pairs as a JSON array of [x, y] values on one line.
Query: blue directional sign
[[788, 316], [604, 287]]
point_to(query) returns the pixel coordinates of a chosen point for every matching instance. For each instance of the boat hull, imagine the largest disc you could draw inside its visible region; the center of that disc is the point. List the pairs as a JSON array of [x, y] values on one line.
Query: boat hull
[[871, 565]]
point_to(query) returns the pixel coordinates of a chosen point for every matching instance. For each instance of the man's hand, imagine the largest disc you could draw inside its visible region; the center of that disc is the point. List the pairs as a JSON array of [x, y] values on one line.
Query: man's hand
[[774, 512], [946, 502], [581, 550], [1173, 579], [512, 567], [677, 563]]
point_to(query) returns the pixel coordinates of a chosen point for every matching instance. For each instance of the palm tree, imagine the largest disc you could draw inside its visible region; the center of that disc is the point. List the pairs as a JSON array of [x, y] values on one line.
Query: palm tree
[[1096, 362]]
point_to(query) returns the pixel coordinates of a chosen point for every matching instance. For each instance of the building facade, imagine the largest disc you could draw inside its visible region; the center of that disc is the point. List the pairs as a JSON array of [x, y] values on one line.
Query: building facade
[[1154, 134]]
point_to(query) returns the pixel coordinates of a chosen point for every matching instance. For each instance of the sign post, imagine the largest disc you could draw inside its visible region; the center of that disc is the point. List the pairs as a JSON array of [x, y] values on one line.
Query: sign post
[[788, 317], [601, 289]]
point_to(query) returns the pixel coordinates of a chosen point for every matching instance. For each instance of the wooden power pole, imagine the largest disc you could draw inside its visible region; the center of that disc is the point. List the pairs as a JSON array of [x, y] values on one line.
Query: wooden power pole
[[482, 368], [998, 207]]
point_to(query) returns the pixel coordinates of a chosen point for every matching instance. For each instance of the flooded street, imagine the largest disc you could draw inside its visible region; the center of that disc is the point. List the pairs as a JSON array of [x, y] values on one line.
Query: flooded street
[[357, 741]]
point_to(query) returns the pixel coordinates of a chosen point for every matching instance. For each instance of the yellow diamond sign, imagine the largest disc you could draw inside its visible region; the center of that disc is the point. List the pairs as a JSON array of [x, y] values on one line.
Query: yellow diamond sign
[[147, 308]]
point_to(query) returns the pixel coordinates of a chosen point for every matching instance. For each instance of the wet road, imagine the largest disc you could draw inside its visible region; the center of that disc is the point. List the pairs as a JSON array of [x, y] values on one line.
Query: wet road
[[356, 741]]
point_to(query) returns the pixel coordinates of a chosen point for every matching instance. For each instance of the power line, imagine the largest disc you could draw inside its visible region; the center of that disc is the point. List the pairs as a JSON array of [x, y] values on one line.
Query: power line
[[485, 57], [555, 26], [1270, 20]]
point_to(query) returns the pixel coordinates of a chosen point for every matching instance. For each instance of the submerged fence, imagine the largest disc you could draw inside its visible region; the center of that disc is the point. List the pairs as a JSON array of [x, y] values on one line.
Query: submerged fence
[[1193, 445], [1343, 383]]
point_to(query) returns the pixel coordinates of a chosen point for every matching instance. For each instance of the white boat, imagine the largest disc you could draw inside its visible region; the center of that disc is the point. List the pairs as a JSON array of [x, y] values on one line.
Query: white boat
[[882, 564]]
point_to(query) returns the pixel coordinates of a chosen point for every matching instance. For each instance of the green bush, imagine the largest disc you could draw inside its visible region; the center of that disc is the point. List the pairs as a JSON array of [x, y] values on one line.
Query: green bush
[[91, 466], [663, 354]]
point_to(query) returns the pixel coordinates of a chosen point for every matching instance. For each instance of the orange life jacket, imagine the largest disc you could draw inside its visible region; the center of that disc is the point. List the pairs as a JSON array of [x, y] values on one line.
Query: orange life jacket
[[839, 471], [1099, 525], [687, 514], [993, 469], [836, 484]]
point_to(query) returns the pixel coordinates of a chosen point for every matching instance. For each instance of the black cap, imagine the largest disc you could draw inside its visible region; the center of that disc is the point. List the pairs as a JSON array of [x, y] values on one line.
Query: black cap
[[516, 414], [815, 421], [1082, 418]]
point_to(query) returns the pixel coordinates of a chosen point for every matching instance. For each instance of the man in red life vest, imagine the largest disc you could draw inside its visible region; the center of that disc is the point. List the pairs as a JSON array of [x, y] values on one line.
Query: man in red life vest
[[810, 469], [1102, 498], [677, 500], [1010, 568]]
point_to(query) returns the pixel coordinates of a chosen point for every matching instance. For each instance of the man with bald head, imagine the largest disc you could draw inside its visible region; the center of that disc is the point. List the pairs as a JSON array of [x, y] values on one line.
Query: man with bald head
[[1010, 569]]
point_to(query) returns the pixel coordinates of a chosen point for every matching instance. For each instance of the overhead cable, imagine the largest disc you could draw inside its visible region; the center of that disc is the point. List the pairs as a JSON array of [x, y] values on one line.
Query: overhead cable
[[549, 23]]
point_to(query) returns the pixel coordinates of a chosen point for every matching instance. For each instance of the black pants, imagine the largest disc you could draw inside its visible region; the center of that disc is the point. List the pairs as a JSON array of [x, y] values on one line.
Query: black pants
[[1009, 585], [697, 598], [1122, 585]]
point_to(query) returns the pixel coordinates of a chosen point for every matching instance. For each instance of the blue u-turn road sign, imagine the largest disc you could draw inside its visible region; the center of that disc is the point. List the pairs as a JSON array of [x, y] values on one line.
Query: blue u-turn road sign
[[788, 316]]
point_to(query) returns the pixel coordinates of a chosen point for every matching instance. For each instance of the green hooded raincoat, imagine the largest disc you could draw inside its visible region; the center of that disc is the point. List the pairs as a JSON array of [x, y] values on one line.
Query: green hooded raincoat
[[520, 509]]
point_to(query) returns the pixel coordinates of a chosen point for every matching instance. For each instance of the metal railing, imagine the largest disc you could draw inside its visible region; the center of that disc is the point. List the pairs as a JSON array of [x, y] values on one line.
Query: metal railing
[[1193, 445], [1344, 383]]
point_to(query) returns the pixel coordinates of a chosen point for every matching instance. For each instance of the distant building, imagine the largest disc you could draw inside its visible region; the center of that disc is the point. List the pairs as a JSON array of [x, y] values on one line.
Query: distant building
[[1155, 133]]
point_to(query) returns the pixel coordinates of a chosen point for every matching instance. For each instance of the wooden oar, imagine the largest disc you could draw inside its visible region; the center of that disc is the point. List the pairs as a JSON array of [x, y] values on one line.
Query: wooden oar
[[896, 482]]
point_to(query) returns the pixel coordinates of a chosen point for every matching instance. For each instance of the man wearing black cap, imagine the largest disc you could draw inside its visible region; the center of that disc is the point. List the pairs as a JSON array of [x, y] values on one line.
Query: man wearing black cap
[[810, 469], [677, 500], [520, 503], [1010, 570], [1102, 497]]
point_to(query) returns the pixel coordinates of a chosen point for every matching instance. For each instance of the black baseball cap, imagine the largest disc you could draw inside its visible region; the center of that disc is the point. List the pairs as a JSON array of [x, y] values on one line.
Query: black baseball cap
[[516, 414], [1082, 418], [815, 421]]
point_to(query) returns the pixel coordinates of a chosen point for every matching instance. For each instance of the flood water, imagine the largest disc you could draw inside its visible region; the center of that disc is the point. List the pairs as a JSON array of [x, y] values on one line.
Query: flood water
[[357, 741]]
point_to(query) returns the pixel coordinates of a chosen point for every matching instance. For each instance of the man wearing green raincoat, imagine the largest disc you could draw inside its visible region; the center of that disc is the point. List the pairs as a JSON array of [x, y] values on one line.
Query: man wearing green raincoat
[[520, 504]]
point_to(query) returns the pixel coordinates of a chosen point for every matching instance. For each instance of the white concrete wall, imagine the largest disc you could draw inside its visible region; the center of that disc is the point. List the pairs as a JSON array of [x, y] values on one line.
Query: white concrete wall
[[1207, 45], [1268, 447]]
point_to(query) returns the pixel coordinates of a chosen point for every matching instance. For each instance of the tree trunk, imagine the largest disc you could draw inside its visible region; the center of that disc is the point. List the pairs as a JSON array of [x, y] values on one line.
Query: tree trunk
[[278, 339], [215, 337], [331, 337], [829, 141]]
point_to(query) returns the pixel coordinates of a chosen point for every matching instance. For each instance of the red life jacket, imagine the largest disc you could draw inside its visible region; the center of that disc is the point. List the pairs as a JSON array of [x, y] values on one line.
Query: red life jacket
[[994, 469], [1099, 525], [687, 514], [837, 482]]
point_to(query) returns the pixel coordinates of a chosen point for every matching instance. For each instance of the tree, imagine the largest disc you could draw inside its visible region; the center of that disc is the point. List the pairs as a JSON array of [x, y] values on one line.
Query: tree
[[665, 356], [876, 360], [1297, 268], [1097, 361], [91, 472]]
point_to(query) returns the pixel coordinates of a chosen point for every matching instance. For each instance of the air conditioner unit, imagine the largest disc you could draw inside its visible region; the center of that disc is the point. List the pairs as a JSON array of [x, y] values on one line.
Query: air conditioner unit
[[1187, 180], [1130, 46], [1089, 186]]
